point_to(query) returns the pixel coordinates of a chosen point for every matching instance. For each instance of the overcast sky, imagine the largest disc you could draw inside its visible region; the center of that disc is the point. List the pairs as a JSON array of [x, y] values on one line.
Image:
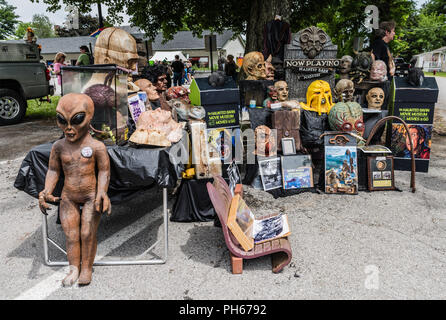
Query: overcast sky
[[26, 9]]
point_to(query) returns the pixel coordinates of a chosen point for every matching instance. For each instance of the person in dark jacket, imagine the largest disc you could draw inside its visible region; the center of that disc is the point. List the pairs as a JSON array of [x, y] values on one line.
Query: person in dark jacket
[[231, 67], [380, 47]]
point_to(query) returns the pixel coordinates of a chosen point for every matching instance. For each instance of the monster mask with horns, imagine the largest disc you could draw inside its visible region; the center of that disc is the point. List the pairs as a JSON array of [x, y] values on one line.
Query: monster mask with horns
[[319, 98]]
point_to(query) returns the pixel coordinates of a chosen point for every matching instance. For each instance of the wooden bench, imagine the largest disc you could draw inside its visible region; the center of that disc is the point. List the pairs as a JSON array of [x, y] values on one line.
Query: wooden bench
[[279, 249]]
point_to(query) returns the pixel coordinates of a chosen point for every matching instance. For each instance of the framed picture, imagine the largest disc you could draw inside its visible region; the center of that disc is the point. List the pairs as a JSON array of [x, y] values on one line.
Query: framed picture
[[380, 173], [297, 172], [240, 222], [341, 169], [288, 146], [270, 173]]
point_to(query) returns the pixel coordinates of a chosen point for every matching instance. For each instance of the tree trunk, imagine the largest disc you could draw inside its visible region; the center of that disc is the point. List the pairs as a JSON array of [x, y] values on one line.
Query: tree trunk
[[261, 13]]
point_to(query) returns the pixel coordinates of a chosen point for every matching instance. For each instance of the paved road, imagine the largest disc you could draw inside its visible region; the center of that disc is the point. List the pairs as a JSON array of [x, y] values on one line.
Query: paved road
[[378, 245]]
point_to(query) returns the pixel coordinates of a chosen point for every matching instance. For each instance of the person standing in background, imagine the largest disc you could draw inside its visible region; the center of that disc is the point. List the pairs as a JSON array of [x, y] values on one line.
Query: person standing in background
[[380, 48], [178, 69], [59, 61], [84, 57], [231, 67]]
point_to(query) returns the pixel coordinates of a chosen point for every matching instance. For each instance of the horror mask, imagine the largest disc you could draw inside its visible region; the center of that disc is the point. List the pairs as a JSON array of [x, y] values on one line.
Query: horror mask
[[254, 66], [375, 98], [347, 117], [312, 40], [344, 90], [361, 66], [178, 93], [74, 113], [319, 98], [115, 46], [147, 86], [345, 67], [378, 72], [265, 141], [273, 97], [282, 90], [270, 70]]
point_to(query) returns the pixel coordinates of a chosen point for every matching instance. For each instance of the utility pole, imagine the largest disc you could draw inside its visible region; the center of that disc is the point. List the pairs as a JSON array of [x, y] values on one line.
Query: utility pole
[[101, 21]]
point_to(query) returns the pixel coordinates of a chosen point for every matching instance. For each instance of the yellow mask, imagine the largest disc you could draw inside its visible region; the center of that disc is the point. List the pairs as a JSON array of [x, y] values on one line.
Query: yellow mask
[[319, 97]]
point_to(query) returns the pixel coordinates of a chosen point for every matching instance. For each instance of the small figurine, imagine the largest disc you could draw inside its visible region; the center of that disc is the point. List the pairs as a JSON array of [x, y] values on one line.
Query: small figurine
[[254, 66], [378, 72], [265, 141], [344, 90], [273, 97], [345, 67], [319, 97], [347, 117], [85, 165], [375, 98]]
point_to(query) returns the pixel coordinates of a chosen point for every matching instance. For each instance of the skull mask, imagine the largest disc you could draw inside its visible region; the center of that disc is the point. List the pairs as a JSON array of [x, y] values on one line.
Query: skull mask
[[378, 72], [347, 117], [115, 46], [312, 40], [375, 98], [265, 141], [74, 113], [319, 97], [282, 90], [344, 90], [254, 66]]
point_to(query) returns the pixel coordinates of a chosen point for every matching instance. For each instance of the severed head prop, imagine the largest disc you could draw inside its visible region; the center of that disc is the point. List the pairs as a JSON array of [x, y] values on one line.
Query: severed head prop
[[254, 66]]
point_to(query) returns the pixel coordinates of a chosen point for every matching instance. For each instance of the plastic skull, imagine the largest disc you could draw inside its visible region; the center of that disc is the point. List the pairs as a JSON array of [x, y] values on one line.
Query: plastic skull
[[344, 90], [254, 66], [347, 117], [378, 72], [319, 97], [375, 98], [115, 46], [282, 90], [312, 40]]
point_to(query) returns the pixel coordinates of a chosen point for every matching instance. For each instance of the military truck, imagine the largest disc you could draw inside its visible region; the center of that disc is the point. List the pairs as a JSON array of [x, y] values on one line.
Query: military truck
[[22, 77]]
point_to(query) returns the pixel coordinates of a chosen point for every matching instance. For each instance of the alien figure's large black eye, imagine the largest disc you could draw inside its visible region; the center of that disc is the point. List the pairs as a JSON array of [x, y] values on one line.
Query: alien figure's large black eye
[[78, 118], [61, 119]]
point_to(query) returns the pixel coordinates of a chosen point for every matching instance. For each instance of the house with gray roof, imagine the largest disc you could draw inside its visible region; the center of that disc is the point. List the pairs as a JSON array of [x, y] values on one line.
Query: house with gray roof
[[192, 47]]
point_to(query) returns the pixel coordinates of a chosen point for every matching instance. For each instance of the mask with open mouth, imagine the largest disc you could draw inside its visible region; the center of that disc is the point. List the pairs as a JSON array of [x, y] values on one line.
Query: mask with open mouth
[[74, 114]]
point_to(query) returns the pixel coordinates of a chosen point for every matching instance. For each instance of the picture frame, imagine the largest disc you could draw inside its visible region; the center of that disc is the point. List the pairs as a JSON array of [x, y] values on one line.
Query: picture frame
[[288, 146], [270, 173], [297, 172], [381, 175]]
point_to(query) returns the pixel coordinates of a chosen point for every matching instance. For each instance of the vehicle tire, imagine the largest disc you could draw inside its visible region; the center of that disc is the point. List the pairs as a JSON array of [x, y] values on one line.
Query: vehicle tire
[[12, 107]]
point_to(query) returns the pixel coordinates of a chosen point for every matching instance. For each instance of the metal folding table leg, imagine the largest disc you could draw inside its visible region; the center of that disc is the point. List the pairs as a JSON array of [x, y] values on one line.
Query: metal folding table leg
[[47, 239]]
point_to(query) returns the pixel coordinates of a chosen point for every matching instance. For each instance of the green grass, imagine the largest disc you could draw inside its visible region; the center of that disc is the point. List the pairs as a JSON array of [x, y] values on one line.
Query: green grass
[[438, 74], [42, 110]]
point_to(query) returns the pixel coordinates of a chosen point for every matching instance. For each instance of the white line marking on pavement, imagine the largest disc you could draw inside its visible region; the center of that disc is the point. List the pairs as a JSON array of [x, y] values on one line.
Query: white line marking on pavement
[[53, 283]]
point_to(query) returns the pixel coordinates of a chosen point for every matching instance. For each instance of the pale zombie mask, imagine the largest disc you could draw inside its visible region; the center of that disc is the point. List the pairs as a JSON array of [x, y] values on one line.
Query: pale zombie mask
[[254, 66], [149, 88], [312, 40], [282, 90], [344, 90], [375, 98], [378, 72], [115, 46], [265, 141], [347, 117], [319, 98], [346, 64], [74, 113]]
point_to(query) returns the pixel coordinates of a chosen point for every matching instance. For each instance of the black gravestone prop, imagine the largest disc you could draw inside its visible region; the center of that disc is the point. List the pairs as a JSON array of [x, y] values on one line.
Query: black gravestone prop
[[306, 62], [220, 103], [415, 105]]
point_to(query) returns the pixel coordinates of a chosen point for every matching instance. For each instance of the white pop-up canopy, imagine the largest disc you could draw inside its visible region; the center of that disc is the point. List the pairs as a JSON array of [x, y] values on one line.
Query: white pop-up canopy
[[167, 55]]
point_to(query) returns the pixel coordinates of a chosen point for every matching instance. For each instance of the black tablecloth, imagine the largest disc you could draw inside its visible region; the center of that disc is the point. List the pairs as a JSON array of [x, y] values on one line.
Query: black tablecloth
[[131, 170]]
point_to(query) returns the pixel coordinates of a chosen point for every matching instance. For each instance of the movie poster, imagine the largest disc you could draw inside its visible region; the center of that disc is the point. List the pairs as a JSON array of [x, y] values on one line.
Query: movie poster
[[297, 172], [421, 136]]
